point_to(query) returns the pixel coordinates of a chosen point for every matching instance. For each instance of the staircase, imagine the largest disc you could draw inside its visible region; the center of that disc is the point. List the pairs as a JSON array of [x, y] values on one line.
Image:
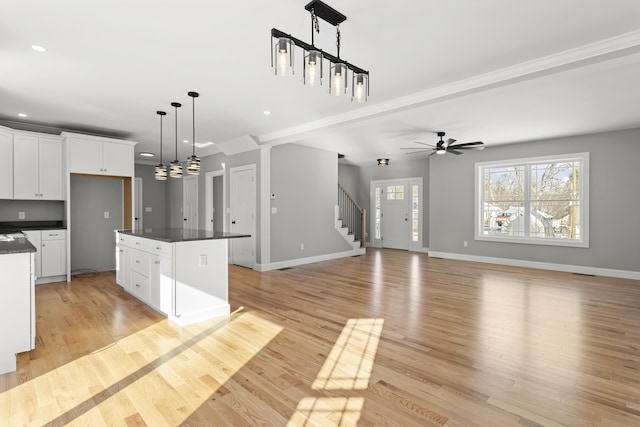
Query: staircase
[[350, 220]]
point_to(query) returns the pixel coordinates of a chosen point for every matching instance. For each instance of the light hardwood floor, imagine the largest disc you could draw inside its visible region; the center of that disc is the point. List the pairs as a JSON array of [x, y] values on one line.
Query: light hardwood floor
[[390, 338]]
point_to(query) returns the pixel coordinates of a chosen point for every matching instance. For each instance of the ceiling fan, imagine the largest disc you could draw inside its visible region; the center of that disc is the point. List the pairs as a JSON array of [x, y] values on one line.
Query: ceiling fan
[[447, 146]]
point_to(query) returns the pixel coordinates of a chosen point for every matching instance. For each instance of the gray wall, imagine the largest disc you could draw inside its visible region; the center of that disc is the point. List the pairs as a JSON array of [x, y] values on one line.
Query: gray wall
[[35, 210], [357, 180], [614, 202], [92, 236], [154, 195], [305, 182]]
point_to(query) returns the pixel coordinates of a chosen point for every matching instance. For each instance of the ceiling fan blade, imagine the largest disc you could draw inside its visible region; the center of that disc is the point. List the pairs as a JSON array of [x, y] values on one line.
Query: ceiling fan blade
[[418, 152], [467, 144], [452, 150], [471, 147], [448, 142], [423, 143]]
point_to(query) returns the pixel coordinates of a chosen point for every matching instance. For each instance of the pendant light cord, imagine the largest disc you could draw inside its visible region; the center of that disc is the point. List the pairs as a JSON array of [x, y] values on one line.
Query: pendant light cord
[[193, 141]]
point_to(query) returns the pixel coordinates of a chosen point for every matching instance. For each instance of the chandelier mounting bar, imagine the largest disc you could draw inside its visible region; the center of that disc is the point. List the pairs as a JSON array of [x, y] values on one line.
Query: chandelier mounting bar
[[325, 12]]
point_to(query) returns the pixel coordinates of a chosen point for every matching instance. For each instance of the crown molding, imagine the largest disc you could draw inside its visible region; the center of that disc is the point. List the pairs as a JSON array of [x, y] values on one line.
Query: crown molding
[[603, 50]]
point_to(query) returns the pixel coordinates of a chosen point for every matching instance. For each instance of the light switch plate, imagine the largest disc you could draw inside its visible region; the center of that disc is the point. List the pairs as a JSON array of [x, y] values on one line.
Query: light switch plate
[[148, 209], [106, 215]]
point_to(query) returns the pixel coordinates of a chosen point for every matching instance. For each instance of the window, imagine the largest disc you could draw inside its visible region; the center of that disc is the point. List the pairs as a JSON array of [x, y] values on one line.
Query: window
[[541, 200], [395, 192]]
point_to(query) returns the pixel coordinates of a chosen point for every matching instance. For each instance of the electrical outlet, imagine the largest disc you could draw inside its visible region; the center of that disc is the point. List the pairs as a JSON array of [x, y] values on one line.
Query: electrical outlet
[[148, 209], [21, 215], [464, 244]]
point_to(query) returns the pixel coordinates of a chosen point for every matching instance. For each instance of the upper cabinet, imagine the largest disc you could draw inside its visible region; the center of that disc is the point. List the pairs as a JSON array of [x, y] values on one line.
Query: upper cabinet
[[6, 171], [100, 156], [38, 168]]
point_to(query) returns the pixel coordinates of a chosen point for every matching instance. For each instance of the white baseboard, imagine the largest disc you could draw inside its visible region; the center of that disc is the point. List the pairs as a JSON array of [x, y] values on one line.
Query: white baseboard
[[309, 260], [596, 271]]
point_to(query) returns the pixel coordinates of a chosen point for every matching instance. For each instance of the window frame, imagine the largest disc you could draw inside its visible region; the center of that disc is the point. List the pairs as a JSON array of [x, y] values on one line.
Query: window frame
[[479, 201]]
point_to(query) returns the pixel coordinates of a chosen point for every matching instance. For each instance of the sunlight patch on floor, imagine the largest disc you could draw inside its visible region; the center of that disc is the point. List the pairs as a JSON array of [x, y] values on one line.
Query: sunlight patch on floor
[[161, 374], [323, 411], [347, 367], [350, 362]]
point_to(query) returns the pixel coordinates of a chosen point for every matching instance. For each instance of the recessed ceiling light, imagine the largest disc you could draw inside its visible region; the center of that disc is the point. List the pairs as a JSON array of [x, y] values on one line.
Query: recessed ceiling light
[[186, 141], [266, 112], [145, 154], [22, 115], [38, 48], [203, 144]]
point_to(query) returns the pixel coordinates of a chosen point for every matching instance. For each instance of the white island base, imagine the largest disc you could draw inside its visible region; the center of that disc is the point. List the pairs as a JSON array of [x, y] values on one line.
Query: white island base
[[186, 280]]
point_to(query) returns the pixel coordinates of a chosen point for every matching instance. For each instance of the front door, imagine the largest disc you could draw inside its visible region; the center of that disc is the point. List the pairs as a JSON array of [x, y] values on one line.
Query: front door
[[395, 215], [243, 214]]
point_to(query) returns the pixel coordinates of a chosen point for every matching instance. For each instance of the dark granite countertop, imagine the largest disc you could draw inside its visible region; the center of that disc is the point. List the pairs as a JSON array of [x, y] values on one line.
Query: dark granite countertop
[[16, 246], [10, 226], [180, 235]]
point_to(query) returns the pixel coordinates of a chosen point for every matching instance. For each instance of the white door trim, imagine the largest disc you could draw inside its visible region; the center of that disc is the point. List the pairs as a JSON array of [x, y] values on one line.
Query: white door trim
[[208, 188], [250, 167], [413, 246]]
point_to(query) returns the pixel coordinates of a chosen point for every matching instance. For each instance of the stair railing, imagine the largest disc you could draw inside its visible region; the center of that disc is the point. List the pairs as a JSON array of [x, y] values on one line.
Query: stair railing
[[352, 215]]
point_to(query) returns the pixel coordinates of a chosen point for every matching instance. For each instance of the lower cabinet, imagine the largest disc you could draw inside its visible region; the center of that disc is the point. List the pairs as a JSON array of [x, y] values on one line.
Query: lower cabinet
[[51, 255], [145, 270]]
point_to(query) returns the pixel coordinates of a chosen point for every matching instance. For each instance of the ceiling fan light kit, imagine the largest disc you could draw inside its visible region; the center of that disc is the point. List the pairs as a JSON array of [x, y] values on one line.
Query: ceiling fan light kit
[[443, 147], [282, 56], [383, 162]]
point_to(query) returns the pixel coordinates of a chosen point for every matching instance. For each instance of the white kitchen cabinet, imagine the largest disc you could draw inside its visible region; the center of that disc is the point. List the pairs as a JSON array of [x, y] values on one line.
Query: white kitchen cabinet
[[37, 173], [122, 266], [54, 253], [97, 156], [51, 254], [161, 282], [33, 236], [17, 308], [6, 171]]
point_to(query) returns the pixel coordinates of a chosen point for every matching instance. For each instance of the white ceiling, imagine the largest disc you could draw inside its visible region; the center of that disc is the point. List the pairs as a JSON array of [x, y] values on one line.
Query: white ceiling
[[499, 71]]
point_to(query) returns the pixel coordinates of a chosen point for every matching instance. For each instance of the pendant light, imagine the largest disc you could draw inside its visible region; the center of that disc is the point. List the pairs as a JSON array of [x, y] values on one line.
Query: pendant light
[[175, 167], [161, 169], [193, 162]]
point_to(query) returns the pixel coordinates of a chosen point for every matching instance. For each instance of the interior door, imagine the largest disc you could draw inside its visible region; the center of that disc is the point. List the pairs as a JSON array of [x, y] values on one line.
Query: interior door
[[395, 215], [243, 214], [190, 202], [137, 205]]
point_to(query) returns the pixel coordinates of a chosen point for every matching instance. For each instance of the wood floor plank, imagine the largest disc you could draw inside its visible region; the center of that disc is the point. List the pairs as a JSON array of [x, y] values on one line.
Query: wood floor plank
[[461, 344]]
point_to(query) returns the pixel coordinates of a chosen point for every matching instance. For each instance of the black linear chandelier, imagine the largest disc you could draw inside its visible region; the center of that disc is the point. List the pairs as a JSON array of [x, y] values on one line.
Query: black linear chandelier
[[282, 56]]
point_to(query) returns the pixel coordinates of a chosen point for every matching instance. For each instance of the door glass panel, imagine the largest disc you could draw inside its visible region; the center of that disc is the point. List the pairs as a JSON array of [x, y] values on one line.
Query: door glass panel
[[415, 213]]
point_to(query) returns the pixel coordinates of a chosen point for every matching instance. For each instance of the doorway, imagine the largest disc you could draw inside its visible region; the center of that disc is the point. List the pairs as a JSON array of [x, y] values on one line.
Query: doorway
[[243, 214], [215, 200], [190, 202], [396, 213]]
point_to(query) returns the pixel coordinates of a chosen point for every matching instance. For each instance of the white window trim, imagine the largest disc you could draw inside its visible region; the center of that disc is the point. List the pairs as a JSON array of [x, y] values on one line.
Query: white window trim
[[584, 201]]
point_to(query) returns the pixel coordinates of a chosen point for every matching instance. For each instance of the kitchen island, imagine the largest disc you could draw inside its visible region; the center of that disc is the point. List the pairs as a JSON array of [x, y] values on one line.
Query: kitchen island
[[181, 273], [17, 298]]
